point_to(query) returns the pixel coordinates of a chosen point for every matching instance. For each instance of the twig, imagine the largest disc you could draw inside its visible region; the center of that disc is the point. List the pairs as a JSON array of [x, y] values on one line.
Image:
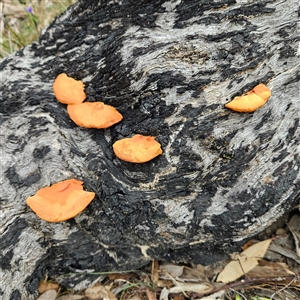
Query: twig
[[296, 237], [239, 293], [176, 283], [243, 283], [285, 287]]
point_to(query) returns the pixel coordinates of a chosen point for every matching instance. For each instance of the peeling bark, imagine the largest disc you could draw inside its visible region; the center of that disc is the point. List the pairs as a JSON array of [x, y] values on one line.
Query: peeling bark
[[169, 67]]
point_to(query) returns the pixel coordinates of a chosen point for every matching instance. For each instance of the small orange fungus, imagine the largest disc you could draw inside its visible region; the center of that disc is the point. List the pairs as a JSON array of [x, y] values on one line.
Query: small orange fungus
[[61, 201], [138, 149], [94, 115], [250, 102], [68, 90]]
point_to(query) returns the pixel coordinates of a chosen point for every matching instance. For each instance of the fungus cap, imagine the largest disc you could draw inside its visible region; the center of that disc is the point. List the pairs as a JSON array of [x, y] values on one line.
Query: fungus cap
[[138, 149], [67, 90], [262, 91], [61, 201], [94, 115], [250, 102]]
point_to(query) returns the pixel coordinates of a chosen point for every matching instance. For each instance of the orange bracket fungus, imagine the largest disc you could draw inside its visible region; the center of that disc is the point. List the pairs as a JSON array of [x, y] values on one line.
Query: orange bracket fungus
[[68, 90], [138, 149], [61, 201], [94, 115], [250, 102]]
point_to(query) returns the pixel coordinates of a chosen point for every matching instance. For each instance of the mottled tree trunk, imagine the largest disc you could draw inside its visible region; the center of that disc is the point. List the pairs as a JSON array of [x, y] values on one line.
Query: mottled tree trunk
[[169, 67]]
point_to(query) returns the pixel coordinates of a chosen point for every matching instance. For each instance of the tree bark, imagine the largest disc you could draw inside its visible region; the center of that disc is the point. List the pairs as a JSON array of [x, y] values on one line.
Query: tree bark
[[169, 67]]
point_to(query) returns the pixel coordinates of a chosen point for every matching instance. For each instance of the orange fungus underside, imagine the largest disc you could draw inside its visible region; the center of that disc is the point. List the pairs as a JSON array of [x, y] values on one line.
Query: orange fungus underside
[[68, 90], [94, 115], [250, 102], [61, 201], [138, 149]]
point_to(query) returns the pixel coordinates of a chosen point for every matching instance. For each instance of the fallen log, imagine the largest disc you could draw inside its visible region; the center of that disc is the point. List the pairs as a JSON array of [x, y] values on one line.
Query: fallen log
[[169, 67]]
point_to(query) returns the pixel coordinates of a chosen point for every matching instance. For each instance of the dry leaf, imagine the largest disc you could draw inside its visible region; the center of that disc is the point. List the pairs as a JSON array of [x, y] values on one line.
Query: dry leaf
[[193, 275], [294, 226], [135, 297], [190, 287], [214, 296], [244, 262], [48, 295], [181, 273], [154, 271], [215, 268], [248, 244], [170, 271], [46, 285], [164, 283], [164, 294], [100, 292], [178, 297], [124, 276], [151, 295], [270, 269], [70, 297], [285, 252]]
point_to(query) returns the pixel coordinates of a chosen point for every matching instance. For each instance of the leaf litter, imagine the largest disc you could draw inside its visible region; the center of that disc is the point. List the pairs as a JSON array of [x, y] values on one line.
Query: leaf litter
[[267, 268]]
